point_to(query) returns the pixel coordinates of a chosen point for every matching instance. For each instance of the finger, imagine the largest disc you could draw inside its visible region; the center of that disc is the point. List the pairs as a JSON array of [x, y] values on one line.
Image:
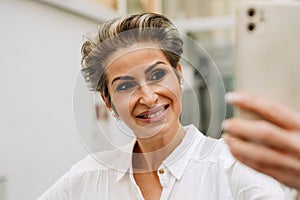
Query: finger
[[274, 112], [264, 133], [287, 175], [258, 156]]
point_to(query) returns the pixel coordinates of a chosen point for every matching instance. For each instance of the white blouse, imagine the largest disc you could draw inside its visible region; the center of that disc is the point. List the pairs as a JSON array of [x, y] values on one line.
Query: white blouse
[[199, 168]]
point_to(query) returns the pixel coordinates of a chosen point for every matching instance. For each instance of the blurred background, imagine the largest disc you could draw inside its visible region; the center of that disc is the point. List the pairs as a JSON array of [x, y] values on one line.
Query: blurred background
[[49, 120]]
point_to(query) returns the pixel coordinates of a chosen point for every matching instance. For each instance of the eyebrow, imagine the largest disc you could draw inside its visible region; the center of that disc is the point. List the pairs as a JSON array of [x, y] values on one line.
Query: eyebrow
[[122, 78], [152, 66], [149, 69]]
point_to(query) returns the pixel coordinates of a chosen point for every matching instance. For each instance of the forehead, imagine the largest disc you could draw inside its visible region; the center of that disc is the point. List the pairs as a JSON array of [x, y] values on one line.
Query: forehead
[[132, 60]]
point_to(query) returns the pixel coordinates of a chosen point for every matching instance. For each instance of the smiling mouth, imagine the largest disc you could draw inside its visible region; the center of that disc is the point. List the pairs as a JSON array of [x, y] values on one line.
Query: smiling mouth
[[151, 114]]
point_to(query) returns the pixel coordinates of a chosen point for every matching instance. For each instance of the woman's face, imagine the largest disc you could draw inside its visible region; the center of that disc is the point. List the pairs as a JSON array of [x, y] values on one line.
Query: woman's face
[[145, 91]]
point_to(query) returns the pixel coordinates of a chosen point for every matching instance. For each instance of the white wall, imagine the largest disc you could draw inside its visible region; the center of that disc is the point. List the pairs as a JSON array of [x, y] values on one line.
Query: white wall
[[40, 61]]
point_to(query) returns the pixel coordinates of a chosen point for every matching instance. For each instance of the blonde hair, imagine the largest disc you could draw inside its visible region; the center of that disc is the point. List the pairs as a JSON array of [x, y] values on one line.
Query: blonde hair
[[121, 33]]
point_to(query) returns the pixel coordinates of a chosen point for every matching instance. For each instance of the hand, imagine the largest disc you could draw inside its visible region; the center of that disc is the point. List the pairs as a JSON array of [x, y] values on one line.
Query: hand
[[270, 146]]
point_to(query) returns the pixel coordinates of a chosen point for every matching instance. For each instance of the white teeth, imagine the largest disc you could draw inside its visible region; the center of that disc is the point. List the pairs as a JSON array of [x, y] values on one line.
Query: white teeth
[[155, 114]]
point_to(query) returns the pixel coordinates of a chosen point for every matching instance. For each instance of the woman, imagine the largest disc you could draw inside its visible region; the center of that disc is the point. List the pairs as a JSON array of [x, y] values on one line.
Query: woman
[[134, 63]]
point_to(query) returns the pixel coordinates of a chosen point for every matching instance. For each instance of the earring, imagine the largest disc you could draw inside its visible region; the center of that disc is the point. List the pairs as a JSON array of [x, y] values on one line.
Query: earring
[[114, 114], [181, 87]]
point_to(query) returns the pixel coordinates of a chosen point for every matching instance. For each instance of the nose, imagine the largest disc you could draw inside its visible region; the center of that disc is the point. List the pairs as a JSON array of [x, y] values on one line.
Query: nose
[[148, 95]]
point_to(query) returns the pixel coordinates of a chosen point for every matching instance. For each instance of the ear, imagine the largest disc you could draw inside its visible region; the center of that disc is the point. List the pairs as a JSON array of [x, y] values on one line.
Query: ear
[[179, 70], [107, 104], [110, 107]]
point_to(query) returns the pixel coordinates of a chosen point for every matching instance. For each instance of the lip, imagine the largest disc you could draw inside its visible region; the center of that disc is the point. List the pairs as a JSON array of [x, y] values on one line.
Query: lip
[[155, 114]]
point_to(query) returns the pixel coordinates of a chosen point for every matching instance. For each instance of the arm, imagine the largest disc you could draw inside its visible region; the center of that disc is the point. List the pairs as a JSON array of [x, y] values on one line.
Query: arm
[[270, 146]]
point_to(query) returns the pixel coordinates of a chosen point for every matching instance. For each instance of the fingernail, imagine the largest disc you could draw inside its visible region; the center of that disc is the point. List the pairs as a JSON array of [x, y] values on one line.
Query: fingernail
[[224, 125], [225, 136], [231, 97]]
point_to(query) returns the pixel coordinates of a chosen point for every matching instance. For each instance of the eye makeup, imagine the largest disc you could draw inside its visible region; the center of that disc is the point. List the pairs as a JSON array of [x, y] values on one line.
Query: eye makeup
[[153, 74]]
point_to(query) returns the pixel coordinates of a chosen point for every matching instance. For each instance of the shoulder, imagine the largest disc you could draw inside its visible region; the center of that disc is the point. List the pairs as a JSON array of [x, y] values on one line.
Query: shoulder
[[208, 148], [81, 177], [243, 182], [103, 161], [89, 163], [214, 150]]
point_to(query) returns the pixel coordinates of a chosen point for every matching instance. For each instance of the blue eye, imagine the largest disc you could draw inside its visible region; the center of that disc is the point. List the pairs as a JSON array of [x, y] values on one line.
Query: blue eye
[[158, 74], [125, 86]]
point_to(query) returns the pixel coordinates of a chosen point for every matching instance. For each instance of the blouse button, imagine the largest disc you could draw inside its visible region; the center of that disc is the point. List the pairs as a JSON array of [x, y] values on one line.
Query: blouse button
[[161, 171]]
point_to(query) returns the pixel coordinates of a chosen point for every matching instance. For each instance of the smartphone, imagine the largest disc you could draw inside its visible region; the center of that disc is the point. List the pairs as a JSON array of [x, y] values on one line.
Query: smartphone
[[268, 51]]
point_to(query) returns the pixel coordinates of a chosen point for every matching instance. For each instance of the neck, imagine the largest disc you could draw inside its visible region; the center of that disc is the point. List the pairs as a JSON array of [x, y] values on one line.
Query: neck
[[151, 152]]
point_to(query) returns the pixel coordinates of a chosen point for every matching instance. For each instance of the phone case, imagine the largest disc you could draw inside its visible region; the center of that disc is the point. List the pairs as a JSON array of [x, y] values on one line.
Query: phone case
[[268, 50]]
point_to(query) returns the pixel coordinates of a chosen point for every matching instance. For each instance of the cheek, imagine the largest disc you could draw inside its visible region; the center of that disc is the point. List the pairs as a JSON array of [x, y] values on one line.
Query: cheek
[[123, 104], [173, 88]]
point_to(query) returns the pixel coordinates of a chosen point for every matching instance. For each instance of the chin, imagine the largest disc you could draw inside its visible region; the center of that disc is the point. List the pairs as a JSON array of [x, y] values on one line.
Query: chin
[[154, 130]]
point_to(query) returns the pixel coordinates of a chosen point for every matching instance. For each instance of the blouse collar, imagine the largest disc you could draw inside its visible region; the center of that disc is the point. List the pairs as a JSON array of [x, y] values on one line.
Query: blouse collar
[[176, 162]]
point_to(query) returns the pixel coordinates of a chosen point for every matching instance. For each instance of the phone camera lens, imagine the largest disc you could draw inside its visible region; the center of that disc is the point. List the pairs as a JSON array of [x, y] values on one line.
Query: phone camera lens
[[251, 12], [251, 26]]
